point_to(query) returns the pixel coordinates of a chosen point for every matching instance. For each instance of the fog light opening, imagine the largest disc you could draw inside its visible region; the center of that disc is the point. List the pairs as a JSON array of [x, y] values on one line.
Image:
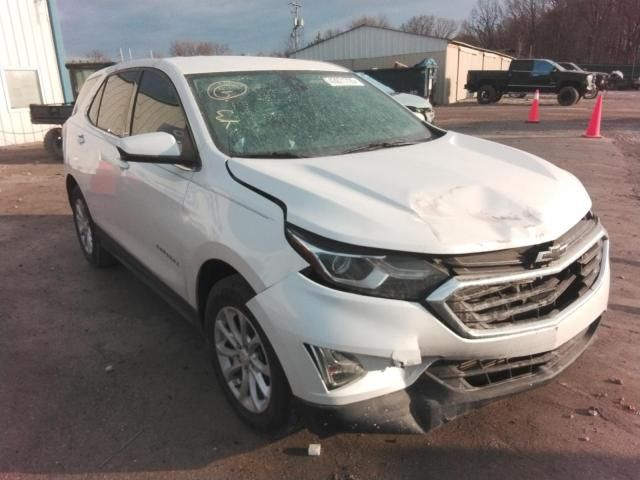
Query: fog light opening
[[336, 368]]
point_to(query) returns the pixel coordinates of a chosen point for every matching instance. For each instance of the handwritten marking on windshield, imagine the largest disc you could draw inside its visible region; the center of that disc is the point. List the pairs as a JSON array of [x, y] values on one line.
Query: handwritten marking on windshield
[[223, 117], [226, 90]]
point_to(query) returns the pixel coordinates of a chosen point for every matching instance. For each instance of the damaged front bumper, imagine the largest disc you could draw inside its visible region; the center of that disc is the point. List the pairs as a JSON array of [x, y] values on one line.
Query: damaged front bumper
[[445, 391], [419, 370]]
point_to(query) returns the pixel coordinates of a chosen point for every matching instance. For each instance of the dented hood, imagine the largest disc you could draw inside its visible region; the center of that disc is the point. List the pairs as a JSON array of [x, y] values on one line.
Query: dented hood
[[456, 194]]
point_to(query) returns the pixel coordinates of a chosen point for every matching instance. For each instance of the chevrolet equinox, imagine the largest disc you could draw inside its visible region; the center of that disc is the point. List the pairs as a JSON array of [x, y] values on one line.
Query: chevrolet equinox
[[335, 250]]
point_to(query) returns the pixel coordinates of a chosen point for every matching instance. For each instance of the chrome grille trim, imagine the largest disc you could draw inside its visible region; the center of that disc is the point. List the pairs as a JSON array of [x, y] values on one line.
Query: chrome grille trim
[[439, 298], [502, 262]]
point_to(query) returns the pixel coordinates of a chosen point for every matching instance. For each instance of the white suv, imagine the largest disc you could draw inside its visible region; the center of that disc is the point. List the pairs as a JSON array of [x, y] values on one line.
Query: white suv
[[334, 249]]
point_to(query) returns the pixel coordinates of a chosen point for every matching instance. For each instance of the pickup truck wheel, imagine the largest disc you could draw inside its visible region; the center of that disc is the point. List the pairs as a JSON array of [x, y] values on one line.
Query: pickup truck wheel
[[244, 361], [53, 143], [590, 94], [568, 96], [93, 251], [487, 94]]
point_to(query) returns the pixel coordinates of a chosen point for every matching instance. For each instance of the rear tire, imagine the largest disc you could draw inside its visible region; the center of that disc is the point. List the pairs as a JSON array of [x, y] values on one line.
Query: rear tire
[[90, 245], [245, 363], [53, 143], [487, 94], [568, 96]]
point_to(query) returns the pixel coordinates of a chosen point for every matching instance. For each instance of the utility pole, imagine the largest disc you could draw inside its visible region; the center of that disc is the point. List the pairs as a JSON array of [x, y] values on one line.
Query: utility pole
[[296, 38]]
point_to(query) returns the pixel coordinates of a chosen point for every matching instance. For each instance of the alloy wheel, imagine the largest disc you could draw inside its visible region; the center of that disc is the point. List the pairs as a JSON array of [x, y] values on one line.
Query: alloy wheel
[[83, 224], [243, 359]]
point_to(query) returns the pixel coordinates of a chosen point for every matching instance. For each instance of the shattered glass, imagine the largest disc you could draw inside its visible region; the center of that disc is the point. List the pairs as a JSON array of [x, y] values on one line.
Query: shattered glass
[[288, 114]]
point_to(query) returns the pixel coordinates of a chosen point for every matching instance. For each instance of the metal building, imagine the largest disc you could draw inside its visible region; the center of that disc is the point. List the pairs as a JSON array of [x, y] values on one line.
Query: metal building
[[368, 47], [31, 67]]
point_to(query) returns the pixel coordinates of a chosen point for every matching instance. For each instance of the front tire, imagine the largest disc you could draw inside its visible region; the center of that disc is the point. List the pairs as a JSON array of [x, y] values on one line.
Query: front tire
[[568, 96], [93, 251], [244, 361]]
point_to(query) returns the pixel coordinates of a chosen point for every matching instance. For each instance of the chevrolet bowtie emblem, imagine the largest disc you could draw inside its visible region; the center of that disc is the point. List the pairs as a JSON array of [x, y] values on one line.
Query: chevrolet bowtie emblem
[[552, 253]]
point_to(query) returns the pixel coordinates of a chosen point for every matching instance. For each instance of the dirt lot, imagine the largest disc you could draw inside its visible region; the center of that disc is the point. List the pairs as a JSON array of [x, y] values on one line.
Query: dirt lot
[[159, 413]]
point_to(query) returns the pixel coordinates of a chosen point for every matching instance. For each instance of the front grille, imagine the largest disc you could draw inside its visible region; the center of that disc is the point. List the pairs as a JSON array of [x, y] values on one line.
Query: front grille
[[473, 374], [516, 259], [493, 306]]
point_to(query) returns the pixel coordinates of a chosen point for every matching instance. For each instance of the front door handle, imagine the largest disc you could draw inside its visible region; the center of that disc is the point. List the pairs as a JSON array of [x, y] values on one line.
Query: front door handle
[[80, 139]]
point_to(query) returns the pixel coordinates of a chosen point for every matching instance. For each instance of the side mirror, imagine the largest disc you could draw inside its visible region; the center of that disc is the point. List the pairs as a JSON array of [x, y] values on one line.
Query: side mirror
[[155, 147]]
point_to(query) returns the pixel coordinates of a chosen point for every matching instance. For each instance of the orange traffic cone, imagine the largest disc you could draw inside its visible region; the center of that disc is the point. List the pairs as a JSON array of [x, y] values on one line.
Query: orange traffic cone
[[534, 113], [593, 129]]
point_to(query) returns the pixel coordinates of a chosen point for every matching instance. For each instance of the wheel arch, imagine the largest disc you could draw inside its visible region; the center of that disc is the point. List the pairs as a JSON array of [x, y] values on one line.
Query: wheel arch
[[210, 273], [70, 183], [570, 83]]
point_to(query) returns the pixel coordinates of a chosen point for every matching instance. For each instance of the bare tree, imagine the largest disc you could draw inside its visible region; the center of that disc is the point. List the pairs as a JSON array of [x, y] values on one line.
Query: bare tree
[[420, 24], [189, 48], [584, 31], [484, 26], [445, 28], [527, 15], [431, 26], [370, 20]]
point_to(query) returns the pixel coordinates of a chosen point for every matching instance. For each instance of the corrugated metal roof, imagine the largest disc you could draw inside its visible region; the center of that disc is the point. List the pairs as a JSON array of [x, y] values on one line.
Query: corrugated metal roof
[[367, 41]]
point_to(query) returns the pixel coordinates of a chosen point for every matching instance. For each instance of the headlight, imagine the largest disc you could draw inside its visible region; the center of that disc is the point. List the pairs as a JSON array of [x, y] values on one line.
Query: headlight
[[382, 274]]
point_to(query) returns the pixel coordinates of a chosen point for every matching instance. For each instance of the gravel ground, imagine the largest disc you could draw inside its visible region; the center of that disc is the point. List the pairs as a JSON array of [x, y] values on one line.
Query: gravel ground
[[159, 413]]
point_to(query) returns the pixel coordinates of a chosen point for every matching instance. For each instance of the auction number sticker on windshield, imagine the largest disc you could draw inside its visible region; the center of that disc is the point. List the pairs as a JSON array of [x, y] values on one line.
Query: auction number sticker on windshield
[[343, 82]]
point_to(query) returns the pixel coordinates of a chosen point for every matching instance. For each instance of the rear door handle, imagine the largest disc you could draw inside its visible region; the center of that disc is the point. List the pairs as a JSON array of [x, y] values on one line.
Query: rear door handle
[[80, 139]]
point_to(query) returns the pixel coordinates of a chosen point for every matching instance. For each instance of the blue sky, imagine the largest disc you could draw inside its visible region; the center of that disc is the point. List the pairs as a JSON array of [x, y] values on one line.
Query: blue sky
[[247, 26]]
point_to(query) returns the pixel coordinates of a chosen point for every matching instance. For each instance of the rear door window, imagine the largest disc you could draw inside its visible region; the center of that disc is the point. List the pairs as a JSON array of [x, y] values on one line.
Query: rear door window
[[95, 106], [116, 102]]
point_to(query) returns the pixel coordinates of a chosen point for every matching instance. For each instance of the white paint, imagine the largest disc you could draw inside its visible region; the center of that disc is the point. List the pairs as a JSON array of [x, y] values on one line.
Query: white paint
[[151, 144], [456, 194]]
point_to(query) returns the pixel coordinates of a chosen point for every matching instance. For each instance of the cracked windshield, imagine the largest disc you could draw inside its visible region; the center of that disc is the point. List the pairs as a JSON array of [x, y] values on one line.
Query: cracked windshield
[[301, 114]]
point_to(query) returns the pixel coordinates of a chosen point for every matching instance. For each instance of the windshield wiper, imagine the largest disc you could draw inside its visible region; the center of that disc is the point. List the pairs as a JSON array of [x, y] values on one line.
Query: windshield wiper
[[380, 145], [269, 155]]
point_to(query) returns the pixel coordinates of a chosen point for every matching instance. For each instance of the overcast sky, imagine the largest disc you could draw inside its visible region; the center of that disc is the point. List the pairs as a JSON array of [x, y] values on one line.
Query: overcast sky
[[247, 26]]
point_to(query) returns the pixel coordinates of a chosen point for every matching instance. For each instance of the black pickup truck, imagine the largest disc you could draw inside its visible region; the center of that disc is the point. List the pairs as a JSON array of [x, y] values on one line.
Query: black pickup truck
[[529, 76]]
